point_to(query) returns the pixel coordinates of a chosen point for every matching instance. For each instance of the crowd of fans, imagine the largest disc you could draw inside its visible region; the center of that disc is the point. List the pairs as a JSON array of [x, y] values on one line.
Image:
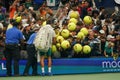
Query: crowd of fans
[[105, 27]]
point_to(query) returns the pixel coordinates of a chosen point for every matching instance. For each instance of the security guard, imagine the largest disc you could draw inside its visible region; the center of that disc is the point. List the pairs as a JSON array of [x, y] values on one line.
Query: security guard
[[32, 54], [12, 53]]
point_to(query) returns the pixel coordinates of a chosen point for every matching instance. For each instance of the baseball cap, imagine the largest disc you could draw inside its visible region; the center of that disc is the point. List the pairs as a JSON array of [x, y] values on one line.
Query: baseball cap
[[36, 27], [25, 25], [110, 37], [102, 32]]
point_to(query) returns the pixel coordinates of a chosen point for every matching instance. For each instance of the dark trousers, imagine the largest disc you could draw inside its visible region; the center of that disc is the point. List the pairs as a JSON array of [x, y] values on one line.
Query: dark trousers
[[12, 53], [32, 60]]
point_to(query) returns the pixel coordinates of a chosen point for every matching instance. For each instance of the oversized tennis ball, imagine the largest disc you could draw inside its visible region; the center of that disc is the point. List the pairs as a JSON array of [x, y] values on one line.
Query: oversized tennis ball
[[73, 20], [86, 49], [85, 31], [60, 39], [58, 45], [87, 20], [65, 44], [80, 35], [44, 23], [74, 14], [9, 26], [71, 26], [77, 48], [65, 33], [54, 49], [57, 32], [18, 19]]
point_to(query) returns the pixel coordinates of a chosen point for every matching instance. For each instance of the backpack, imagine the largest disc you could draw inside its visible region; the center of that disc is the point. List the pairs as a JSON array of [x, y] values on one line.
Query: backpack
[[41, 41]]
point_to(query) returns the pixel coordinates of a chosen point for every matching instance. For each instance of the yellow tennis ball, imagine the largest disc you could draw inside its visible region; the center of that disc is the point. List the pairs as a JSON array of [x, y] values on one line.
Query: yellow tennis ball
[[74, 14], [59, 39], [58, 45], [65, 33], [86, 49], [44, 23], [54, 49], [80, 35], [65, 44], [85, 31], [77, 48], [87, 20], [73, 20], [9, 26], [71, 26], [18, 19], [57, 32]]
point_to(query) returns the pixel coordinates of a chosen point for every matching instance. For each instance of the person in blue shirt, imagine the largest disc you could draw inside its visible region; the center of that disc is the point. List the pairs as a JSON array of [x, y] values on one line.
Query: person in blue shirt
[[108, 51], [12, 51], [32, 54]]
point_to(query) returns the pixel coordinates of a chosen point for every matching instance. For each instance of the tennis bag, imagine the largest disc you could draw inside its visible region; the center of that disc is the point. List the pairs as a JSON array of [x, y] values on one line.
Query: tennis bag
[[41, 41]]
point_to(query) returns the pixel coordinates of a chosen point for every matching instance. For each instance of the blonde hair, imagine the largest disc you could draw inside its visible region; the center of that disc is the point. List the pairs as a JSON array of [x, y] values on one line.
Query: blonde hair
[[111, 44]]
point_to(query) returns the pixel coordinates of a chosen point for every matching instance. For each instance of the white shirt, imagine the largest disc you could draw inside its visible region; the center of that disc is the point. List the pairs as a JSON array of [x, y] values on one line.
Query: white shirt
[[51, 34]]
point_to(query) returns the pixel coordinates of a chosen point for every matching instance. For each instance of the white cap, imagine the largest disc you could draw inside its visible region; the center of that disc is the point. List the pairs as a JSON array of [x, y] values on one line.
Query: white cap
[[102, 31], [31, 8], [36, 27], [24, 21], [25, 25], [1, 25], [110, 37]]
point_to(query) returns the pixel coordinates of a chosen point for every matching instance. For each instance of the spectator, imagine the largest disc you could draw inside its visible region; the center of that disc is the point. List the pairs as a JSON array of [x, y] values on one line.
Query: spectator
[[28, 3], [45, 11], [13, 9], [97, 26], [2, 44], [26, 32], [73, 9], [108, 51], [85, 6], [2, 17], [2, 9], [102, 38]]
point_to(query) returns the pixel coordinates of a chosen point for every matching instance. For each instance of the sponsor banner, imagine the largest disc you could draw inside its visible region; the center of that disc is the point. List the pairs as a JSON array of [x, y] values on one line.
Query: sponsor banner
[[73, 66]]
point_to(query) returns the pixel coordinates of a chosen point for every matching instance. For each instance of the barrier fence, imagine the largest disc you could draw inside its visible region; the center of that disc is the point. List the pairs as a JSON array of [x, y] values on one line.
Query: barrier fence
[[73, 66]]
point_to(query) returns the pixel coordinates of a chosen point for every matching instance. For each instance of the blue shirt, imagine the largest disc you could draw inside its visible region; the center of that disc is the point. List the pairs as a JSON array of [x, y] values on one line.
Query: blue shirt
[[31, 39], [13, 36], [108, 49]]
